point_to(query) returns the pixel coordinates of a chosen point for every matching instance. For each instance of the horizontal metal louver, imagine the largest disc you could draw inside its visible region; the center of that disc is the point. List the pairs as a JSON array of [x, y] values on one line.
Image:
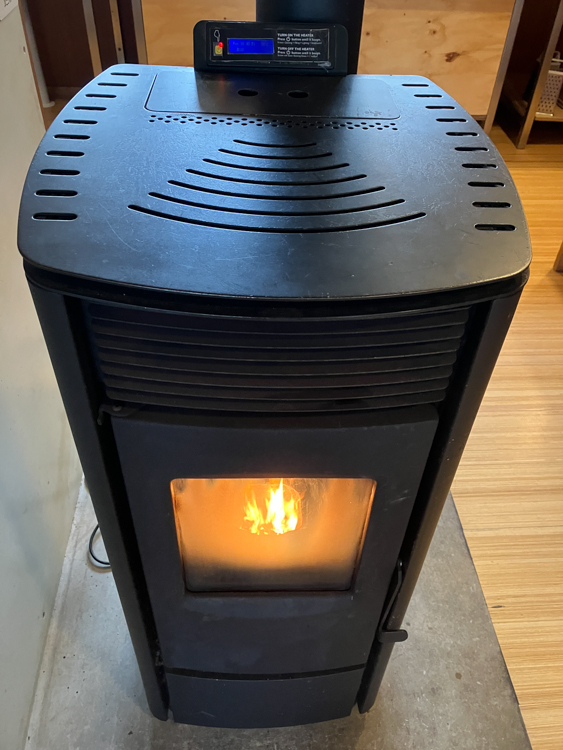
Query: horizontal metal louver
[[222, 363]]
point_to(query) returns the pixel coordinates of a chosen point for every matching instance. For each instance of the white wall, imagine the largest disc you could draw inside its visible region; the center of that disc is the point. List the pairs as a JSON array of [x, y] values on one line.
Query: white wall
[[39, 470]]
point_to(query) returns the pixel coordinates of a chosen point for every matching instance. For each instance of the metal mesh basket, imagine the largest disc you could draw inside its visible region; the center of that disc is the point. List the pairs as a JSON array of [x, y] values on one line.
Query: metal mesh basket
[[551, 91]]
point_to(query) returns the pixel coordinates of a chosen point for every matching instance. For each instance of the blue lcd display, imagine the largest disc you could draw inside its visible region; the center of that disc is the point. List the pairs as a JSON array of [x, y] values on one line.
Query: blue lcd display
[[251, 46]]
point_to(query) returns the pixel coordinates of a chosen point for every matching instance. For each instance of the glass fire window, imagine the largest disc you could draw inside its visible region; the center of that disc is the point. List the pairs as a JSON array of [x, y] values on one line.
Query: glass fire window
[[271, 534]]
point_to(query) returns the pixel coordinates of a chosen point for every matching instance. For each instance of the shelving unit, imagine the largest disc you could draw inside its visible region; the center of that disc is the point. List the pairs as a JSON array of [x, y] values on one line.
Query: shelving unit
[[557, 116], [535, 33]]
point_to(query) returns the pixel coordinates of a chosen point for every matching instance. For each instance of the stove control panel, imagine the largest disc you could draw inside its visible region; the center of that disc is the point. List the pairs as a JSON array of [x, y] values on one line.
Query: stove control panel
[[278, 48]]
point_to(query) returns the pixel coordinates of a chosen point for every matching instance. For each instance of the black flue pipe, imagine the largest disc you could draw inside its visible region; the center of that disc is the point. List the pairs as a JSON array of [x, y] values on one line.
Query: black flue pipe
[[349, 13]]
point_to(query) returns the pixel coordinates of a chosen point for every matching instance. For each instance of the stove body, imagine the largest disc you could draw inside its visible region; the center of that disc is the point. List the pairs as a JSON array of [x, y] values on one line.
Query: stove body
[[310, 282]]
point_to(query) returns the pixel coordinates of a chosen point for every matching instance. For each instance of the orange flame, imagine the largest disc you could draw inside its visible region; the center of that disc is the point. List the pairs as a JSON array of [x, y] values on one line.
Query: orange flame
[[278, 513]]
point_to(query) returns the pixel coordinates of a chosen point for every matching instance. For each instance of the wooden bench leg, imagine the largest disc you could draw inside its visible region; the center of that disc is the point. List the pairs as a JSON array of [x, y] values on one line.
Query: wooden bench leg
[[558, 265]]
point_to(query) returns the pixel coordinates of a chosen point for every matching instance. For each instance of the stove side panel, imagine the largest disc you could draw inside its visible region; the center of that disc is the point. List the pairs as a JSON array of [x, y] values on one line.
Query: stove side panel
[[60, 320]]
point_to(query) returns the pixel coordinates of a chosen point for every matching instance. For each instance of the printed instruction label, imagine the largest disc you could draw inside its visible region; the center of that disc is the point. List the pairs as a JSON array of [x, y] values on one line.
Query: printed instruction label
[[303, 44]]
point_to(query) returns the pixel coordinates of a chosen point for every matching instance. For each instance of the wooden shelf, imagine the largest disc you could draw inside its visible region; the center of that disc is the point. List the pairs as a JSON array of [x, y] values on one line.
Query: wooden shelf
[[557, 116]]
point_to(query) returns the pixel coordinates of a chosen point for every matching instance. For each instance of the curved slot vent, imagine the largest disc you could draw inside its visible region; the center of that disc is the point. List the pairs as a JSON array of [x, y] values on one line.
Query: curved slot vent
[[274, 145], [284, 165], [415, 85], [65, 153], [495, 227], [56, 193], [84, 108], [101, 96], [248, 167], [210, 362], [241, 180], [80, 122], [273, 156], [479, 166], [60, 172], [280, 347], [278, 230], [471, 148], [272, 197], [319, 323], [486, 184], [111, 83], [171, 398], [358, 399], [458, 133], [492, 204], [71, 137], [293, 387], [251, 212], [450, 119], [47, 216], [132, 75], [428, 96], [436, 106]]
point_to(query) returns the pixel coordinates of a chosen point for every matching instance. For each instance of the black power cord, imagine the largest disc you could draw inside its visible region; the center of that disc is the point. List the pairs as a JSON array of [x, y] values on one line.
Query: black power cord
[[101, 563]]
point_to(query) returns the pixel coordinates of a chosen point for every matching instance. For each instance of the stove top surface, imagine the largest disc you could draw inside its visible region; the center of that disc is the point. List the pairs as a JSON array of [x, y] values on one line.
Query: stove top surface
[[271, 186]]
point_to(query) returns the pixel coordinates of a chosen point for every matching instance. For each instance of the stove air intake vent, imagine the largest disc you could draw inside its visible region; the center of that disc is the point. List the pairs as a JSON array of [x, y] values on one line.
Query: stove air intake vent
[[217, 363]]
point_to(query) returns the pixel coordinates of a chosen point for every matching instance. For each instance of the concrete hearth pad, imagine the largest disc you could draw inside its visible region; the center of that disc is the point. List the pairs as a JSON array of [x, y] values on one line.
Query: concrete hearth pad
[[446, 687]]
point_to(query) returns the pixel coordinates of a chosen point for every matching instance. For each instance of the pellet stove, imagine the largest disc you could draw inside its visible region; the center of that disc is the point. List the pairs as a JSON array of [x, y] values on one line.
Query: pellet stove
[[273, 303]]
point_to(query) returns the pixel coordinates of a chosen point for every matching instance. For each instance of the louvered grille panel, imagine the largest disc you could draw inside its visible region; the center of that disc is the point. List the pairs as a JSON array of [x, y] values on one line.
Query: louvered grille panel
[[276, 365]]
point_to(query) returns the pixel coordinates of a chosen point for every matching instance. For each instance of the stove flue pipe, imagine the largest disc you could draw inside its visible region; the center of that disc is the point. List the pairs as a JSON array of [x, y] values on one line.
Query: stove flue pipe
[[349, 13]]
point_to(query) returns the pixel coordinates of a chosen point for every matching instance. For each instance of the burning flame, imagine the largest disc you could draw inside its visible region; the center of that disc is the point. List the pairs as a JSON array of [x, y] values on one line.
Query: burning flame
[[278, 513]]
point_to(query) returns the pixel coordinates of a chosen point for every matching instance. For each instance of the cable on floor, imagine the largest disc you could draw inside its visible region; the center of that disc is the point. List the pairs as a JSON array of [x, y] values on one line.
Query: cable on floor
[[97, 561]]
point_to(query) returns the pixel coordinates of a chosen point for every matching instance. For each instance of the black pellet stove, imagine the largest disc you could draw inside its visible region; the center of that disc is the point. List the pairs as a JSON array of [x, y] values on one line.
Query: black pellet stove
[[273, 302]]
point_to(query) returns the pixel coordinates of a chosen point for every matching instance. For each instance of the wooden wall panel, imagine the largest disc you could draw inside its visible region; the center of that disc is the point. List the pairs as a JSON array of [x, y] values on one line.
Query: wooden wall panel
[[456, 43], [458, 50], [169, 25]]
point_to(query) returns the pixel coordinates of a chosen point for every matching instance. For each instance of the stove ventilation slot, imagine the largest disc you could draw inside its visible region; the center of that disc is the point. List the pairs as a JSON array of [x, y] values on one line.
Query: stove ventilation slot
[[60, 172], [486, 184], [53, 193], [52, 216], [495, 227], [471, 148], [217, 363], [71, 137], [65, 153]]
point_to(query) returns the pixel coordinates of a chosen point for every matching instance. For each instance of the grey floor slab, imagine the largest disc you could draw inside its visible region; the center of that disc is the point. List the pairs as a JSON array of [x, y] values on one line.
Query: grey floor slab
[[446, 687]]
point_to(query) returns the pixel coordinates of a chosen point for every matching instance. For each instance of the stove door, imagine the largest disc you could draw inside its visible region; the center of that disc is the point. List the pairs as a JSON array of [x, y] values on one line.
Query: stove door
[[268, 547]]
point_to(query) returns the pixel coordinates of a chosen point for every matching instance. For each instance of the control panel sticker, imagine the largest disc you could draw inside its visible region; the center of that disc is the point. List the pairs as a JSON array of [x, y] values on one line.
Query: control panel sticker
[[294, 49], [304, 44]]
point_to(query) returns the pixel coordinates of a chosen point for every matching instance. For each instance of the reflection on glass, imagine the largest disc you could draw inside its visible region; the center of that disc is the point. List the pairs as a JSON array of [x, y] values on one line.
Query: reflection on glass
[[271, 534]]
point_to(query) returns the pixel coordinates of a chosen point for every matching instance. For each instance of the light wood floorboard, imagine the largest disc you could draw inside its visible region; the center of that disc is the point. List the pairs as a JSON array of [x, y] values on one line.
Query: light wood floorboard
[[509, 487]]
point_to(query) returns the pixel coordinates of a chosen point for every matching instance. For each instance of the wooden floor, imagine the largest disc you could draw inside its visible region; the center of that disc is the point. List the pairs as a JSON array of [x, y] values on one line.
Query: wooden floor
[[509, 488]]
